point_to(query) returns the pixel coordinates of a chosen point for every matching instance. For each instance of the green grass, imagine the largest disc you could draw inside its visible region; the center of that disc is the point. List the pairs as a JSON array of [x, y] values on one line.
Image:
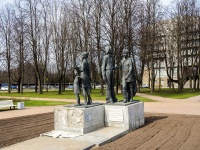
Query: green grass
[[29, 103], [68, 94], [51, 94], [32, 103], [187, 93]]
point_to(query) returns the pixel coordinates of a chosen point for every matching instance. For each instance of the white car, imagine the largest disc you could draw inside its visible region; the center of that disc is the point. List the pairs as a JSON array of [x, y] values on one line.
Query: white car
[[145, 85], [4, 88]]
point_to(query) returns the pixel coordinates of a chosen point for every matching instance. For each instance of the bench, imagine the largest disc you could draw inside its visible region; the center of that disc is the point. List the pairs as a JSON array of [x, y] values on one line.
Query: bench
[[7, 103]]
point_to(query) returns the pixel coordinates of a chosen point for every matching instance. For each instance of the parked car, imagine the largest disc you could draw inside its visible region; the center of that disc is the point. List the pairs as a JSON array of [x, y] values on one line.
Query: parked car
[[98, 86], [4, 88], [70, 87], [32, 87], [13, 87], [145, 85]]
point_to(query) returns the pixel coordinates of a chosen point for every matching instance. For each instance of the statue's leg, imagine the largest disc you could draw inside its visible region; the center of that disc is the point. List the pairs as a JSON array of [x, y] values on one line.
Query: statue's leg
[[131, 87], [108, 92], [134, 88], [84, 96], [78, 99], [128, 92], [112, 92], [89, 97], [125, 91]]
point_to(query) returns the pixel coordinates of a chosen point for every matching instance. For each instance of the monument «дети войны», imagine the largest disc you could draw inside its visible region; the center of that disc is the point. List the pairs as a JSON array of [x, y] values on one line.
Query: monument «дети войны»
[[89, 116]]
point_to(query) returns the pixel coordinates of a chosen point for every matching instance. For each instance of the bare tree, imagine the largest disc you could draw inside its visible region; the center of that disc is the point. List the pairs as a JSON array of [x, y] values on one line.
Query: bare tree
[[153, 15], [6, 30], [60, 39], [185, 46], [97, 34], [37, 17], [19, 30]]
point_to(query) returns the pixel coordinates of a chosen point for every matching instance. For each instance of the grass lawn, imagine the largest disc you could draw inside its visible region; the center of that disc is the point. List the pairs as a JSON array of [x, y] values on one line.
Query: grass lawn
[[165, 92], [32, 103], [68, 94], [40, 103]]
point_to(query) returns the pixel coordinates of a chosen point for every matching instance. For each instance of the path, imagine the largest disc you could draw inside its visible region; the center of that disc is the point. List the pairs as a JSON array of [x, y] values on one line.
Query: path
[[190, 106]]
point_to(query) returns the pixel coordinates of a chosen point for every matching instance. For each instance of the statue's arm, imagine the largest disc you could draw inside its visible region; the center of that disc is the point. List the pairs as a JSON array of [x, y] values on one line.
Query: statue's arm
[[103, 68], [130, 68], [117, 67], [81, 67], [88, 67]]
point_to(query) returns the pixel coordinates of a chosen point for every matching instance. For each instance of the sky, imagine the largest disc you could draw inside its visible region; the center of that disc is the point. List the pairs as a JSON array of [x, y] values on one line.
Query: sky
[[3, 2]]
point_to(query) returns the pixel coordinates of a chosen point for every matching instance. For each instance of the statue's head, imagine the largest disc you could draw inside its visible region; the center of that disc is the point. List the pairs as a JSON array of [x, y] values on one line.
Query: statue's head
[[108, 50], [84, 55], [125, 52], [76, 70]]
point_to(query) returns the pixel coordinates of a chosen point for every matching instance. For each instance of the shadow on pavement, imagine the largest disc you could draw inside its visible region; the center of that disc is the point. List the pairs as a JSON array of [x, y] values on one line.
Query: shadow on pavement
[[151, 119]]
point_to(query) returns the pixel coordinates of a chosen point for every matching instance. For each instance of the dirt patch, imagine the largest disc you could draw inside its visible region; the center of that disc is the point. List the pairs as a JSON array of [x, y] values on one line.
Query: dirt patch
[[19, 129], [161, 131]]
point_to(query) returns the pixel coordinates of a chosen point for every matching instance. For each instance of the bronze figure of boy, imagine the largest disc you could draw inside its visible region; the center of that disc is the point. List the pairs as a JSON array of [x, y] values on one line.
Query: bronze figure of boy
[[85, 79], [77, 85]]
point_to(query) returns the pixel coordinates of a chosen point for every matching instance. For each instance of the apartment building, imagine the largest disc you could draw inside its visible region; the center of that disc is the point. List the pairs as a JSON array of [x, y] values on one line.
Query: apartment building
[[176, 49]]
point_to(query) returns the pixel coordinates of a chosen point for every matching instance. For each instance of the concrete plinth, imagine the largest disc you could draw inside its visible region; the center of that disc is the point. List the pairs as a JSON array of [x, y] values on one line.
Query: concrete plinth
[[79, 120], [129, 116]]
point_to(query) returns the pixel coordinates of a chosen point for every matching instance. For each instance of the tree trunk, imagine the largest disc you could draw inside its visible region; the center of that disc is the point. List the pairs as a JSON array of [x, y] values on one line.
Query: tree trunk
[[152, 77], [60, 85], [195, 83], [18, 86], [190, 82], [40, 85], [180, 87], [36, 83]]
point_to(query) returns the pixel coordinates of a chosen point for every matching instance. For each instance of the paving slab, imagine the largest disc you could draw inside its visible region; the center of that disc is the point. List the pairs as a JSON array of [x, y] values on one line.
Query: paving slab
[[87, 141]]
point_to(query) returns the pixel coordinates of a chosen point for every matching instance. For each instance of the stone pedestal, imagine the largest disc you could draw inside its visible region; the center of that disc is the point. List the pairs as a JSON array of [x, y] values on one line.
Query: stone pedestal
[[79, 119], [125, 115]]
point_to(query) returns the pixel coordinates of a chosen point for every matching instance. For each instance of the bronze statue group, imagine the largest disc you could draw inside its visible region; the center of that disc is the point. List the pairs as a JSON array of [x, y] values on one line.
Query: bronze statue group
[[82, 78]]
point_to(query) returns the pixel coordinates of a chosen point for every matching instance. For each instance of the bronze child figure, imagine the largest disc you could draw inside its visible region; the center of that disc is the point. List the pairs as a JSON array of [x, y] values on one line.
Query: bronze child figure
[[77, 86], [85, 78]]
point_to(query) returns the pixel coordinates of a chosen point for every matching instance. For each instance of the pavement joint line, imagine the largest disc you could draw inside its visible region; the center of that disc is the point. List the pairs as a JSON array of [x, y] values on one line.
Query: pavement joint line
[[110, 139], [89, 147]]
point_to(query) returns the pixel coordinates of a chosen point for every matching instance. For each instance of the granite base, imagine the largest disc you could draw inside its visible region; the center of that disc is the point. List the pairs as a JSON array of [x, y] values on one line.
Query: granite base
[[79, 120], [129, 116]]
